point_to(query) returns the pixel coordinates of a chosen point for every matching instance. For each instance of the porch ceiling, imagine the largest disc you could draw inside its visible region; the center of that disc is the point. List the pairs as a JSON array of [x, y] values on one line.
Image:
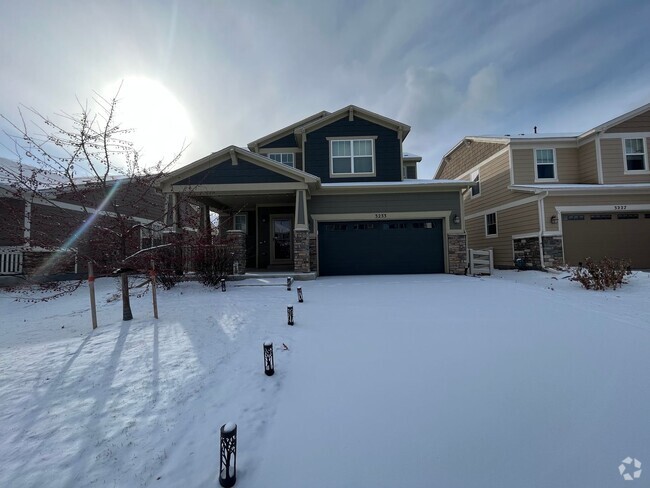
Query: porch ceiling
[[224, 202]]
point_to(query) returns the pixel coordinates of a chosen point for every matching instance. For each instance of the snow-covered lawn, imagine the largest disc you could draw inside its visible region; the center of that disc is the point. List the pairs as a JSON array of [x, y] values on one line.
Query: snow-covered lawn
[[514, 380]]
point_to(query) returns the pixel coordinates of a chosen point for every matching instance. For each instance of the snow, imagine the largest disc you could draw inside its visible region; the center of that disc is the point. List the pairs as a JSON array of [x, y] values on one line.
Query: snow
[[516, 379], [229, 427]]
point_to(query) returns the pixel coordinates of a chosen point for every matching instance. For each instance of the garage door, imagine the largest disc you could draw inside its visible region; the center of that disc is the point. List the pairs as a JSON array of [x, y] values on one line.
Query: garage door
[[387, 247], [614, 235]]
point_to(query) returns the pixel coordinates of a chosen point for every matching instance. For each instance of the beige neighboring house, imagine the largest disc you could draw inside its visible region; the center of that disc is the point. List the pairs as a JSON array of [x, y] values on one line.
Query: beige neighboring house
[[555, 199]]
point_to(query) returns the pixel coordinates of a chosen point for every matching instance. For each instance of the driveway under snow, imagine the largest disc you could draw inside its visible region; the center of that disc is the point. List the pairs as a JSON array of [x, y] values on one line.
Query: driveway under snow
[[514, 380]]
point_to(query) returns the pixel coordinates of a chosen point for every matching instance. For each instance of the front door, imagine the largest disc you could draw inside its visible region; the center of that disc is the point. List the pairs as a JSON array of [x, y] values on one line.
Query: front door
[[281, 239]]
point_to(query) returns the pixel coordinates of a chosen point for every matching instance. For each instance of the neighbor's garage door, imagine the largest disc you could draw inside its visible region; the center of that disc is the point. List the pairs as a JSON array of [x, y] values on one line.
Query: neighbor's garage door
[[385, 247], [614, 235]]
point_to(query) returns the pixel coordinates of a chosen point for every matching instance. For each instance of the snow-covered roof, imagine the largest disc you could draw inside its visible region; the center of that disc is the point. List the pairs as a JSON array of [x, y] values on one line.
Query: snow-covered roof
[[399, 184], [407, 155], [552, 135], [551, 187]]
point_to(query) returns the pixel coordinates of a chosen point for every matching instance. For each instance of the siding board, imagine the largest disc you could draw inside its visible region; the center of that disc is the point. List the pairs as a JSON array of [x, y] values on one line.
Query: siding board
[[467, 156], [640, 123], [587, 163]]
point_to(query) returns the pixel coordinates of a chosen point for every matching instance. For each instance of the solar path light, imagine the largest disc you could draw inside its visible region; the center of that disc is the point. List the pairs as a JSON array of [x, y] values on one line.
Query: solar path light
[[290, 314], [289, 283], [269, 365], [228, 456], [300, 299], [223, 284]]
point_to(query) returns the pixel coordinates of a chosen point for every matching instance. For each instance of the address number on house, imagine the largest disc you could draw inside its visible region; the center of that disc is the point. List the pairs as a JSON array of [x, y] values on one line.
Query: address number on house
[[381, 216], [620, 207]]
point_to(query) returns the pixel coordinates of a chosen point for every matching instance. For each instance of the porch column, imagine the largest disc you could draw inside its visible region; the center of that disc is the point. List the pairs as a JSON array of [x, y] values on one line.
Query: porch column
[[457, 253], [237, 245], [301, 234]]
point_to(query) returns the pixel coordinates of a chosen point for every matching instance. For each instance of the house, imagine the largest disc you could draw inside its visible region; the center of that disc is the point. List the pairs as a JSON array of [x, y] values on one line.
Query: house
[[52, 230], [554, 199], [332, 194]]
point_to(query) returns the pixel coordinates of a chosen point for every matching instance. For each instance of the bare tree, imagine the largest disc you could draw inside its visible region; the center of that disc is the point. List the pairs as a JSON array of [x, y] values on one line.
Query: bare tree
[[82, 180]]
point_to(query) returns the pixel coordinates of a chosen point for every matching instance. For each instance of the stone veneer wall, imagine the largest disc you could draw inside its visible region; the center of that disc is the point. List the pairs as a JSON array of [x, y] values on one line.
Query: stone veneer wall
[[34, 260], [301, 251], [457, 253], [553, 251], [312, 252], [237, 245], [528, 250]]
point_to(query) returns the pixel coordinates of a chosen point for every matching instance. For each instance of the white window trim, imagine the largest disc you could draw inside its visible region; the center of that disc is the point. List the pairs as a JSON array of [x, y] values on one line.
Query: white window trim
[[156, 228], [234, 223], [353, 174], [645, 169], [293, 158], [472, 177], [542, 180], [496, 223]]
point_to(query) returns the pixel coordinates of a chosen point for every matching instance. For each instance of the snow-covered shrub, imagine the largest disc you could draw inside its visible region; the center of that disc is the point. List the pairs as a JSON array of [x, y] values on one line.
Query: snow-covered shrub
[[601, 275]]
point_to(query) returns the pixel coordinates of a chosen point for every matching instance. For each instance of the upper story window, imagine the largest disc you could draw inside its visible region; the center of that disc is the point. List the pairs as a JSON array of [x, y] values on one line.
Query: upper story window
[[545, 164], [352, 157], [491, 224], [476, 187], [284, 158], [635, 155], [241, 222]]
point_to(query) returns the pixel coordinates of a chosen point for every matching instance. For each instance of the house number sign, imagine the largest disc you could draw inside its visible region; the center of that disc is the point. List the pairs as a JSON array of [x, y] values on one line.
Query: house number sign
[[620, 207], [381, 216]]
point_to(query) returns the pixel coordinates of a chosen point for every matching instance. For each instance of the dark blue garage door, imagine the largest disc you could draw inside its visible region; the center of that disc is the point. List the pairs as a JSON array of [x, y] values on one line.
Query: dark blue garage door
[[380, 247]]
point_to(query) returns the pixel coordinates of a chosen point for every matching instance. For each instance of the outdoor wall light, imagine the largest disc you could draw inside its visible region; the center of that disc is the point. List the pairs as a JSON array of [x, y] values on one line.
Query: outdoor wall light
[[553, 219], [456, 219], [228, 457], [269, 364]]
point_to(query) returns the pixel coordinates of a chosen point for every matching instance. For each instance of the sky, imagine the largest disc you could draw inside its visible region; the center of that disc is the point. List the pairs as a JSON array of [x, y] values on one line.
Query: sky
[[214, 73]]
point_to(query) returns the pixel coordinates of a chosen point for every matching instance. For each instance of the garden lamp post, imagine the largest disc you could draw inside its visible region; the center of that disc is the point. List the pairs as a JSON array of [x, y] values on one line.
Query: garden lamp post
[[290, 314], [269, 365], [228, 455]]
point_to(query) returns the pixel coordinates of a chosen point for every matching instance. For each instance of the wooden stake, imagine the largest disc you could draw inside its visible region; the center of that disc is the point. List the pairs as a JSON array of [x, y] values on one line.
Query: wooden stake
[[91, 287], [153, 289]]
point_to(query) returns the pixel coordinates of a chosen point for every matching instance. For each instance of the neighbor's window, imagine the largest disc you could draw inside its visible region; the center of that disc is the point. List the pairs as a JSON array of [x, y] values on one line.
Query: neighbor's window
[[284, 158], [151, 236], [635, 155], [545, 164], [352, 157], [491, 224], [476, 187], [241, 222]]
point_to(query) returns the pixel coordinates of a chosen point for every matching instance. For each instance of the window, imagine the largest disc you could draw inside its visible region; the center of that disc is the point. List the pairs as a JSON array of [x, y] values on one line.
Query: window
[[241, 222], [627, 216], [545, 164], [352, 157], [601, 217], [409, 172], [635, 155], [573, 217], [151, 236], [284, 158], [491, 224], [476, 187]]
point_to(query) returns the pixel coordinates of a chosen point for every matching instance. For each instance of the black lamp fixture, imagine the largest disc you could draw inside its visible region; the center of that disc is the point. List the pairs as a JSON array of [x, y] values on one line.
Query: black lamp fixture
[[553, 219], [456, 219]]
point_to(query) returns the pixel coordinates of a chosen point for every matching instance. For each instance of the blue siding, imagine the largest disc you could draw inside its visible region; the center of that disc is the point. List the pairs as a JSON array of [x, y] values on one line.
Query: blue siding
[[387, 150], [226, 173], [286, 141]]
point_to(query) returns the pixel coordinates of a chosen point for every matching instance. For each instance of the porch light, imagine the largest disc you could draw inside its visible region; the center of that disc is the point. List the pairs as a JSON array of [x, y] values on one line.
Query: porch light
[[269, 364], [223, 284], [290, 314], [288, 283], [553, 219], [456, 219], [300, 299], [228, 457]]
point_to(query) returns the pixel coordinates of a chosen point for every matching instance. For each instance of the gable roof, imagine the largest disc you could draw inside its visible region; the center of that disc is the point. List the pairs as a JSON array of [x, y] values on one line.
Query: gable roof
[[233, 152], [254, 146], [351, 111], [621, 118]]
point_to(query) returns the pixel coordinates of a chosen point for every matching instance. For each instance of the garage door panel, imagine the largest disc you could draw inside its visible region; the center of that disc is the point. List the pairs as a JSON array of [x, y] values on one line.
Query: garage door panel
[[613, 235], [386, 247]]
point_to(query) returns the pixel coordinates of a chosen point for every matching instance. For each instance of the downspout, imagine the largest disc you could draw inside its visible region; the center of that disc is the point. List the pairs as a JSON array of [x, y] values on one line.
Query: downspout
[[542, 226]]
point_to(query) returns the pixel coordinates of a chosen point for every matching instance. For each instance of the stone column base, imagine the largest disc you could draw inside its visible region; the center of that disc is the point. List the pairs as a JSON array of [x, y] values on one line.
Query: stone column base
[[237, 246], [457, 253], [301, 251]]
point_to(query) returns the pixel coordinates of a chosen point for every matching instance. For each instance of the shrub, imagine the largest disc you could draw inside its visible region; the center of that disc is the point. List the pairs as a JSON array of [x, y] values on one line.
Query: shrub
[[601, 275]]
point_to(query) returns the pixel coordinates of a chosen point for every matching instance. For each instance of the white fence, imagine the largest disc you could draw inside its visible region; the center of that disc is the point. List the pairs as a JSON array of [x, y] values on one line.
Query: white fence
[[11, 261], [481, 262]]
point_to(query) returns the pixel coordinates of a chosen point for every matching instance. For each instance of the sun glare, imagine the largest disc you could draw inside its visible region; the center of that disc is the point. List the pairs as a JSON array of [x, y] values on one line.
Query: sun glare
[[161, 126]]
